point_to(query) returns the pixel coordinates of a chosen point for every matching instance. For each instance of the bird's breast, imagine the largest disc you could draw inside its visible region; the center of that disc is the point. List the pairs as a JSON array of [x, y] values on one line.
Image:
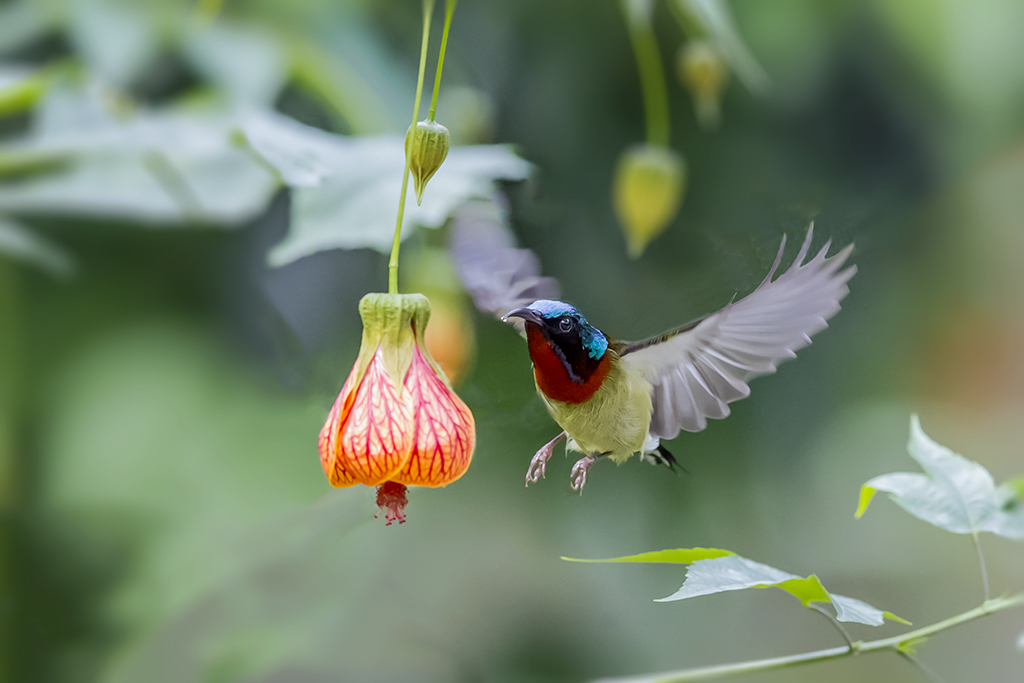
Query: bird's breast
[[554, 374]]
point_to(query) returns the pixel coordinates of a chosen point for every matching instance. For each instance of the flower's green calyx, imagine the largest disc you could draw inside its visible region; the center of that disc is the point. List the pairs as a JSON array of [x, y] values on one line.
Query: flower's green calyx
[[426, 146]]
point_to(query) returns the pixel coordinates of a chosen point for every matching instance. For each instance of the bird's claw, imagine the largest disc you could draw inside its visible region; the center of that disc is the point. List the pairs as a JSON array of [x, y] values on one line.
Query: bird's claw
[[578, 478], [535, 472]]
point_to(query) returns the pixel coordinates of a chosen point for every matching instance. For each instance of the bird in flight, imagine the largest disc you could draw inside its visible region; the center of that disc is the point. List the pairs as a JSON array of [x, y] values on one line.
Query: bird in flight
[[614, 399]]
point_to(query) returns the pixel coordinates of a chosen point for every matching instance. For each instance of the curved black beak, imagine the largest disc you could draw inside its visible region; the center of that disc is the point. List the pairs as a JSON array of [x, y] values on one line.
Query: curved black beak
[[527, 314]]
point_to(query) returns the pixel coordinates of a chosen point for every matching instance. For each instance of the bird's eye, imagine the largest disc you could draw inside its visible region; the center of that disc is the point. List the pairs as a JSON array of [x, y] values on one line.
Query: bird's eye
[[565, 324]]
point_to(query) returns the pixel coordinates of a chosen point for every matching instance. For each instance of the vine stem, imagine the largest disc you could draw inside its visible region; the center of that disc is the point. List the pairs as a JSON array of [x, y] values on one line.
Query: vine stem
[[449, 10], [885, 644], [428, 11], [652, 79]]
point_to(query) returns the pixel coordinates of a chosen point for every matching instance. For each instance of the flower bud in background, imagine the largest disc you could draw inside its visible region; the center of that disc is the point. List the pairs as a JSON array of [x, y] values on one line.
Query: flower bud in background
[[703, 71], [450, 338], [426, 146], [649, 185], [397, 422]]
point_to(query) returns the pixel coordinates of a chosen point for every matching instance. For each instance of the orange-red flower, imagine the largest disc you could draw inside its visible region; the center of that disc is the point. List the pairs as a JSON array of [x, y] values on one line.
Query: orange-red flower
[[397, 422]]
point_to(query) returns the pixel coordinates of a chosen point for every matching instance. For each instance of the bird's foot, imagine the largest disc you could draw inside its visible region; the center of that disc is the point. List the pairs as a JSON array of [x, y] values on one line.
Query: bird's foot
[[535, 472], [578, 478]]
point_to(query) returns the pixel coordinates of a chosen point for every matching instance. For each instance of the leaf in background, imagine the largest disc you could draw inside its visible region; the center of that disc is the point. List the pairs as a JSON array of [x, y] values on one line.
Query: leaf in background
[[672, 556], [731, 573], [247, 64], [170, 166], [117, 39], [20, 243], [20, 88], [21, 23], [713, 19], [955, 494], [347, 188]]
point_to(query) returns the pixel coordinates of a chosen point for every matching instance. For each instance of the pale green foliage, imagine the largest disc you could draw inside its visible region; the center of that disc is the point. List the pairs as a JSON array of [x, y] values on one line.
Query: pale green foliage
[[170, 166], [733, 572], [346, 188], [19, 242], [954, 493], [715, 570]]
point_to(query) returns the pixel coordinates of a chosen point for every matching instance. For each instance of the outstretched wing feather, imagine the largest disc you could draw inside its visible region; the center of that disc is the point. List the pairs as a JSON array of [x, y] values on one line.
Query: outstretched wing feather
[[698, 370]]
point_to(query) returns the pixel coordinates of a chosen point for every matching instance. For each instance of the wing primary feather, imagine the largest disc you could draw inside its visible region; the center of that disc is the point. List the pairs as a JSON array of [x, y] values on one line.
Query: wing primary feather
[[697, 370]]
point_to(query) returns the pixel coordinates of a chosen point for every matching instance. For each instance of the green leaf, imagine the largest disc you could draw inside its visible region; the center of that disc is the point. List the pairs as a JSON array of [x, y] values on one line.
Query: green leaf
[[805, 590], [166, 166], [20, 89], [670, 556], [866, 494], [21, 243], [246, 63], [732, 572], [954, 493], [347, 189]]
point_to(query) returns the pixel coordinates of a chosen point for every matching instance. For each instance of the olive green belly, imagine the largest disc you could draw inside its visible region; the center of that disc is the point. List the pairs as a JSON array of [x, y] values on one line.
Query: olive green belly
[[614, 421]]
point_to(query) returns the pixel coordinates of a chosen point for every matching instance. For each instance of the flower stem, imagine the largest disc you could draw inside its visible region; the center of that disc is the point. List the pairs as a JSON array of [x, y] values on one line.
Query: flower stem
[[885, 644], [428, 12], [449, 10], [652, 79]]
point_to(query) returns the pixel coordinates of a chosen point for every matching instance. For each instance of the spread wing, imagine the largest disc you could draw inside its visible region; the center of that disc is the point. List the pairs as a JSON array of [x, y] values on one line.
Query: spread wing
[[497, 275], [698, 370]]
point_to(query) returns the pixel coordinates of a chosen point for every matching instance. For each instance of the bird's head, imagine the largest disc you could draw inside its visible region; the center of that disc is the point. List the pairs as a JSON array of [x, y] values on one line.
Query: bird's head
[[564, 327]]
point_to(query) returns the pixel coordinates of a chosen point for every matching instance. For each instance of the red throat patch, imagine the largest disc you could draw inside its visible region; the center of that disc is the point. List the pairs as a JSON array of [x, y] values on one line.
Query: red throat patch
[[552, 376]]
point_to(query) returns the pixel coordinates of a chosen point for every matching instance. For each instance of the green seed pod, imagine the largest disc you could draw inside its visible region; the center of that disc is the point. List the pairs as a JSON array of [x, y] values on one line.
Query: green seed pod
[[426, 147], [705, 74], [649, 185]]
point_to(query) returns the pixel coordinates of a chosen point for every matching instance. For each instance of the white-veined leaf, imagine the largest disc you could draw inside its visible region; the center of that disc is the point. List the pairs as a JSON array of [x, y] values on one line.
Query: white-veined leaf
[[954, 493], [731, 573], [347, 188]]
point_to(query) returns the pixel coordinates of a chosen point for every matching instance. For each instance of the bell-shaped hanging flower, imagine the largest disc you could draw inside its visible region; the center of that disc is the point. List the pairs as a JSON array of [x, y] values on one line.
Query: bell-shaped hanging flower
[[426, 146], [397, 422], [703, 72], [650, 181]]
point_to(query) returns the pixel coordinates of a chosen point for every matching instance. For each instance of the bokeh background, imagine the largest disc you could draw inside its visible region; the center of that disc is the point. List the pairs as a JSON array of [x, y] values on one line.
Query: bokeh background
[[165, 517]]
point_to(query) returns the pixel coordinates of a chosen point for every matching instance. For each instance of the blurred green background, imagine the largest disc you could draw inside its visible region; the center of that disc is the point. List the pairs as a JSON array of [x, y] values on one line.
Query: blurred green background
[[165, 517]]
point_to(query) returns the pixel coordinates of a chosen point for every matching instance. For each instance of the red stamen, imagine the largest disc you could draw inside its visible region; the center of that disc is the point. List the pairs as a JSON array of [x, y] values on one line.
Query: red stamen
[[391, 496]]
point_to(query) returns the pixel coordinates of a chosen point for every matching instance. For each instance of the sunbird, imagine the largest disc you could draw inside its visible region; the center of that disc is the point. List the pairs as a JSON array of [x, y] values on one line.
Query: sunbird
[[615, 399]]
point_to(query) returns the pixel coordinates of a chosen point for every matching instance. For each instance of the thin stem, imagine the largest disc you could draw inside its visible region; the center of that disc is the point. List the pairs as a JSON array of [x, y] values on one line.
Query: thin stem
[[885, 644], [428, 11], [449, 10], [835, 622], [652, 80], [925, 671], [981, 561]]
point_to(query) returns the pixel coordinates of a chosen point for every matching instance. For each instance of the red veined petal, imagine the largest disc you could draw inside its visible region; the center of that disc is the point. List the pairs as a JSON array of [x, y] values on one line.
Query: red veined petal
[[445, 432], [376, 435]]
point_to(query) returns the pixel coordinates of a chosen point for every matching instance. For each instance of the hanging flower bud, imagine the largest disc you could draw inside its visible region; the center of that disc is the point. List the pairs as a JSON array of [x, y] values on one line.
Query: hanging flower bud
[[426, 146], [397, 422], [649, 185], [705, 74]]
